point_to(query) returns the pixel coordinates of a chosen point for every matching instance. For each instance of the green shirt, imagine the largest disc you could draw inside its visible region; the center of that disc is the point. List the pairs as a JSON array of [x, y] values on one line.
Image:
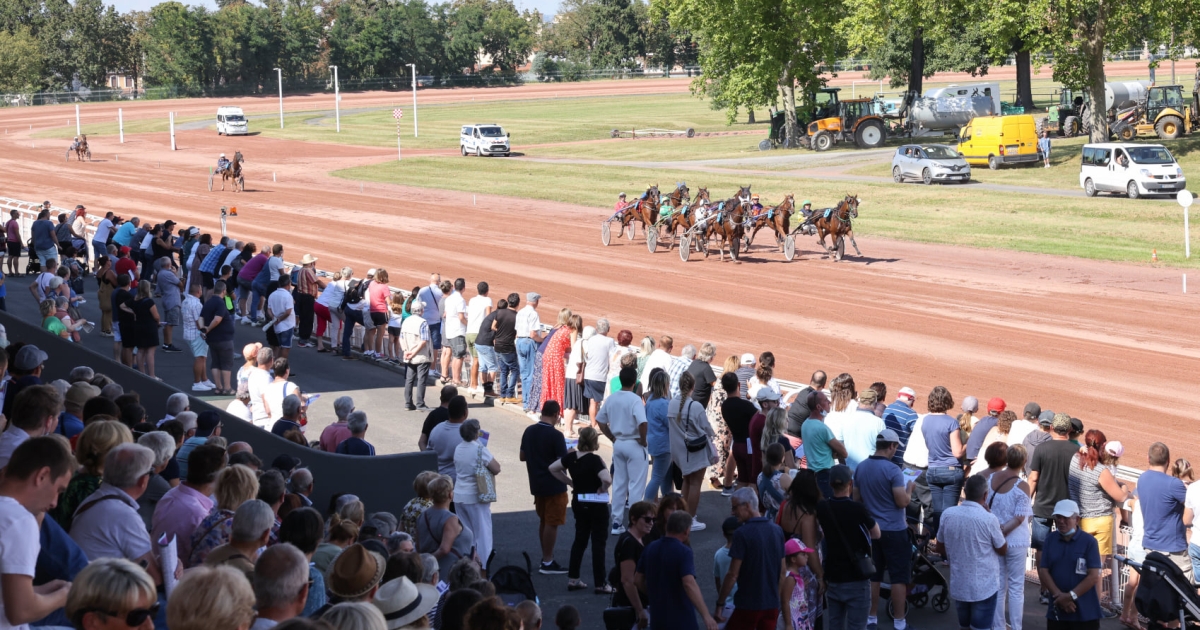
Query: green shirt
[[53, 325], [816, 436]]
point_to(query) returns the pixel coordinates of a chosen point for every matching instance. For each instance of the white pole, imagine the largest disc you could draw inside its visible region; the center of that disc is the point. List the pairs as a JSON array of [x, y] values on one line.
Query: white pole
[[121, 124], [398, 144], [414, 91], [1187, 236], [172, 119], [78, 127], [337, 100], [279, 76]]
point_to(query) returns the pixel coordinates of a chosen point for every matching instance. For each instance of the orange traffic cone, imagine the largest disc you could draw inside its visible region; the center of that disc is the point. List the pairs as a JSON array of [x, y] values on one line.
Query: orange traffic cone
[[1154, 255], [233, 213]]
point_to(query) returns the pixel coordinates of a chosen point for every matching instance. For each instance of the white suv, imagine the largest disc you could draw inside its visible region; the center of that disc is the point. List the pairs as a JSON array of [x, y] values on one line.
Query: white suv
[[1134, 169], [484, 139]]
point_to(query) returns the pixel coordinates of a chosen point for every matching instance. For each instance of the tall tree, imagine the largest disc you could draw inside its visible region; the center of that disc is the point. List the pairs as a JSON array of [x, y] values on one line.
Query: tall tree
[[178, 47], [602, 33], [508, 35], [20, 61]]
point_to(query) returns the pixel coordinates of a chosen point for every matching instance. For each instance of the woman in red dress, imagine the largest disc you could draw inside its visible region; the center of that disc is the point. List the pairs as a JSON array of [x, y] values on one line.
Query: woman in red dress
[[554, 360]]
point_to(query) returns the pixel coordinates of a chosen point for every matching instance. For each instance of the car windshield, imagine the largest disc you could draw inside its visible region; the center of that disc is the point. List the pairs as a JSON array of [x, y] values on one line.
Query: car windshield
[[235, 118], [491, 132], [1150, 155], [935, 152]]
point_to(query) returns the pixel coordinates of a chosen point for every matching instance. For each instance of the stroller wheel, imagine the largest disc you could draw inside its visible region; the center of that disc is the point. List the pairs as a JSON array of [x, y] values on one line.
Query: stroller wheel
[[941, 601], [920, 600]]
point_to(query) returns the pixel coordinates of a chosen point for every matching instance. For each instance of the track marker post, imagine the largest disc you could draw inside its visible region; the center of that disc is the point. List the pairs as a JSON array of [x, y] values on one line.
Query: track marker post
[[121, 124], [172, 122], [78, 127], [273, 177], [398, 113], [1185, 199]]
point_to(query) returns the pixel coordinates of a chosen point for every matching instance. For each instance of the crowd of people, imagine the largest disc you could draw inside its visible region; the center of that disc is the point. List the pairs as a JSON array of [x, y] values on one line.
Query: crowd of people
[[829, 484]]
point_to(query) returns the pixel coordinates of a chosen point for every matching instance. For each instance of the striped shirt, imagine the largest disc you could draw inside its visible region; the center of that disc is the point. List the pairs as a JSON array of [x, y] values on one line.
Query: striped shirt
[[678, 366], [209, 264]]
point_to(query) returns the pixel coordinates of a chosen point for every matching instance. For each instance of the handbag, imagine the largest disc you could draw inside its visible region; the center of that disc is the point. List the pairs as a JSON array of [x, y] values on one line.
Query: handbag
[[696, 444], [864, 565], [582, 362], [485, 481]]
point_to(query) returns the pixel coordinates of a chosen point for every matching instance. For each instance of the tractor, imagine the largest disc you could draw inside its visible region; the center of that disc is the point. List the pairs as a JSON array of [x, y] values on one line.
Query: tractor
[[1163, 113], [820, 104], [1066, 118], [857, 120]]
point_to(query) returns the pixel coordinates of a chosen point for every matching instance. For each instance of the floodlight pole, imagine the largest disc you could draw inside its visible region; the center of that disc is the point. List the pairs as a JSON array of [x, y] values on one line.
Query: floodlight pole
[[279, 76], [337, 100], [414, 91]]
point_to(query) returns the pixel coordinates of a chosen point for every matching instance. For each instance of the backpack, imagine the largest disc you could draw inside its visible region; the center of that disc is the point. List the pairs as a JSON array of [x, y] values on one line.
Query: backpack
[[514, 584], [354, 293]]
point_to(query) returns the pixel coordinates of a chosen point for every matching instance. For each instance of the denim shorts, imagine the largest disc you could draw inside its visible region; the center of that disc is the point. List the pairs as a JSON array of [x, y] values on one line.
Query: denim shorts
[[435, 336], [976, 615], [198, 346], [487, 358], [285, 338]]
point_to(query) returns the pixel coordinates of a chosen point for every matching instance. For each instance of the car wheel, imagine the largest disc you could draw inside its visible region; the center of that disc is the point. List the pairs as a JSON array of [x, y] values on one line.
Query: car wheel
[[478, 153], [1132, 190], [896, 176], [926, 177], [993, 162], [462, 149], [1089, 187]]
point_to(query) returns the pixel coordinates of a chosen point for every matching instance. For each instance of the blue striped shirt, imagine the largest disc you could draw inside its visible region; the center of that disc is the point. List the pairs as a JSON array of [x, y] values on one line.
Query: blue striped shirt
[[900, 418]]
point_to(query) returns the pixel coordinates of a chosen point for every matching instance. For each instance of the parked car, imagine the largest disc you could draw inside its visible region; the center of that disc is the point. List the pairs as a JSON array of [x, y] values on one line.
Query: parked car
[[484, 139], [231, 121], [999, 140], [1137, 170], [929, 163]]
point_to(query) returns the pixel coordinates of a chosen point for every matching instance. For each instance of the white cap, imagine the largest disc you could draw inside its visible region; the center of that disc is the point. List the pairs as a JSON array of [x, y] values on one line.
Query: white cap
[[371, 272], [748, 359], [1066, 507], [908, 391]]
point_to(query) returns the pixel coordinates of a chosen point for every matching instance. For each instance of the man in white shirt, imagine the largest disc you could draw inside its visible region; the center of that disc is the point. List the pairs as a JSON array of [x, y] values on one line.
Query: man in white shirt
[[970, 538], [104, 230], [38, 472], [256, 385], [529, 335], [41, 284], [478, 308], [1021, 428], [454, 329], [623, 420], [660, 358], [596, 352], [34, 413], [433, 299], [281, 308], [190, 314]]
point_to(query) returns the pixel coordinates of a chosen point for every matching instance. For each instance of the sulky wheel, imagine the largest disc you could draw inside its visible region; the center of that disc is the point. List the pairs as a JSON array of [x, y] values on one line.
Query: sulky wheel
[[735, 249], [685, 248], [210, 182], [605, 229], [839, 249], [789, 248], [652, 239]]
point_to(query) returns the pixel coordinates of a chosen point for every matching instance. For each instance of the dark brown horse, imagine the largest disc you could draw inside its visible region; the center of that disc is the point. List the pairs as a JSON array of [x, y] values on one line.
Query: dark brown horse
[[778, 218], [644, 211], [727, 222], [836, 222], [673, 205], [81, 149], [683, 221], [234, 173]]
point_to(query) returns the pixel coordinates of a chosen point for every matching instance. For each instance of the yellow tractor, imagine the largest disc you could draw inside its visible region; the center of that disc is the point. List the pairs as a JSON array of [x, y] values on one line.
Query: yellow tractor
[[858, 120], [1163, 113]]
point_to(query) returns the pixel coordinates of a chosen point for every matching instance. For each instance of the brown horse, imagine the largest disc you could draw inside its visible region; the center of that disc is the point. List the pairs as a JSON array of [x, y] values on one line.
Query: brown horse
[[234, 173], [728, 223], [779, 218], [837, 223], [683, 220], [673, 205], [81, 149], [644, 210]]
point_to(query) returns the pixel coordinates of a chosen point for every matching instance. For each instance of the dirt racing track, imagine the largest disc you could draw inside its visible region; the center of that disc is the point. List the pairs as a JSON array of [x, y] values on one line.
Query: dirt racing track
[[1112, 344]]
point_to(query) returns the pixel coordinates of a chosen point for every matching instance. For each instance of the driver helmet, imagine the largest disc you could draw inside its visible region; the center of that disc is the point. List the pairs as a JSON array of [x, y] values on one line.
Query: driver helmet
[[77, 138], [621, 196], [754, 197], [807, 202], [222, 155]]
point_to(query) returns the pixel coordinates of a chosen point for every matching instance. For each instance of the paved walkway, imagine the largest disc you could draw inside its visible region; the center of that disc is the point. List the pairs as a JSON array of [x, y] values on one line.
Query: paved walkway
[[379, 392]]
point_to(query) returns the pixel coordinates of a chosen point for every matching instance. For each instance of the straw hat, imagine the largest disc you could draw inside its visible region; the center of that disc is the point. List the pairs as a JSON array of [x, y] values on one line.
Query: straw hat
[[355, 572], [403, 602], [308, 259]]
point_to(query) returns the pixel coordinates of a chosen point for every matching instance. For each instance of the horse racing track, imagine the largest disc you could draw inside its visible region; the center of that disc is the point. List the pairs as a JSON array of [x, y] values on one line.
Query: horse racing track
[[1109, 343]]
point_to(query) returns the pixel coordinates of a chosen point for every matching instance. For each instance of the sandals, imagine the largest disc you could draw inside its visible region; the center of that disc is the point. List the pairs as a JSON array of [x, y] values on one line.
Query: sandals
[[607, 589], [324, 350], [575, 585]]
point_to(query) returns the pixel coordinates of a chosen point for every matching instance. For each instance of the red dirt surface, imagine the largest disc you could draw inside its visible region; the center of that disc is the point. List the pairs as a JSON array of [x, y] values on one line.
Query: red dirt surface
[[1109, 343]]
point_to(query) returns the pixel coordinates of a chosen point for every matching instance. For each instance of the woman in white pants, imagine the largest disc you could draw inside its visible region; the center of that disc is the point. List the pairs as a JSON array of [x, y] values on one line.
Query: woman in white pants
[[474, 513], [1008, 499]]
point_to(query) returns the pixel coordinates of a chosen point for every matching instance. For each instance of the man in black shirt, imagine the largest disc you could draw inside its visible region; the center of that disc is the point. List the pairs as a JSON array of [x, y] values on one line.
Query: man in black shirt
[[703, 373], [798, 412], [849, 531], [505, 343], [737, 412], [1049, 476], [485, 343], [217, 329], [439, 415]]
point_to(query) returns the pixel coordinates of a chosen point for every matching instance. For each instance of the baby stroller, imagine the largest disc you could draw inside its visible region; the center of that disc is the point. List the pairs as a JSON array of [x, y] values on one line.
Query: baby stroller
[[927, 581], [1165, 593], [33, 266]]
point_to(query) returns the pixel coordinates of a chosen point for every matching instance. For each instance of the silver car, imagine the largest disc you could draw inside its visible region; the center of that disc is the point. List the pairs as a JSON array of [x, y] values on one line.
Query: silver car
[[929, 163]]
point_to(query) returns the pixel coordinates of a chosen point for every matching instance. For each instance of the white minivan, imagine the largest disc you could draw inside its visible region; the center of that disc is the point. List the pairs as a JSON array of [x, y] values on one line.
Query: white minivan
[[231, 121], [484, 139], [1134, 169]]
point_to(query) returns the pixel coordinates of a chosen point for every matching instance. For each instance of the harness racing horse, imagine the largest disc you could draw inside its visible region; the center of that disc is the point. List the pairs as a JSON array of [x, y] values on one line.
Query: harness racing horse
[[673, 205], [644, 210], [836, 222], [686, 218], [779, 218], [729, 223], [81, 149], [234, 173]]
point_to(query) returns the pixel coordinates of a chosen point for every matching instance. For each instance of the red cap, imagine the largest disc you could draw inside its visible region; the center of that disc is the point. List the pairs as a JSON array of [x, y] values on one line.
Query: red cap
[[124, 250], [996, 404]]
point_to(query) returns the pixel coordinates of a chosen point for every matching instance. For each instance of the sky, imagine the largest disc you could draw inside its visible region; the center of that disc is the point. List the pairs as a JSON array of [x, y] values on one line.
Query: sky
[[547, 7]]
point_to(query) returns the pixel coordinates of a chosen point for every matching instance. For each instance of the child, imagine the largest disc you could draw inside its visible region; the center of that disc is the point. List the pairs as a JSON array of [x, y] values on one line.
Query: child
[[721, 562], [567, 618], [798, 588], [395, 318], [772, 483]]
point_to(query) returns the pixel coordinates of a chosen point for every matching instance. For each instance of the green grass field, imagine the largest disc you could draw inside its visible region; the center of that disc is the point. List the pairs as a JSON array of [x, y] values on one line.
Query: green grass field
[[145, 125], [1105, 228]]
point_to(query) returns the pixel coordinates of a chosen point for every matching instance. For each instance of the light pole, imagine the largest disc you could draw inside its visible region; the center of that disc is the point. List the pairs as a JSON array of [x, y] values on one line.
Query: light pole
[[414, 91], [337, 100], [279, 76]]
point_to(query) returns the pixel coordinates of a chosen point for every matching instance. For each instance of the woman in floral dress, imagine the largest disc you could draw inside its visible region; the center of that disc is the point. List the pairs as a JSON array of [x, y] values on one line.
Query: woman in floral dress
[[717, 475], [554, 361]]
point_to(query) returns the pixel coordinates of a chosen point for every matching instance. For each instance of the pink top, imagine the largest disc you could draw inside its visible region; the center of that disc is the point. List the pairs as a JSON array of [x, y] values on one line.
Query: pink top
[[177, 514], [379, 295], [13, 229], [333, 435]]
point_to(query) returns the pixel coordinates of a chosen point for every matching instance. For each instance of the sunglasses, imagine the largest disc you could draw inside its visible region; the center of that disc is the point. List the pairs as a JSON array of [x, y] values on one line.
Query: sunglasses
[[647, 519], [133, 618]]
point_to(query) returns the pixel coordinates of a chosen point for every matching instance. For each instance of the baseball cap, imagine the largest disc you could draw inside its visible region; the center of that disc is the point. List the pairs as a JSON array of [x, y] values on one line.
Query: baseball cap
[[54, 282], [730, 525], [1076, 425], [193, 230], [80, 207], [1062, 423], [1066, 507], [794, 546], [29, 358], [907, 391], [887, 435], [371, 272], [766, 393], [286, 463], [970, 404], [207, 422], [996, 404], [748, 359], [1114, 448], [840, 475], [621, 195], [868, 397], [1046, 418], [124, 250], [532, 297], [1033, 410]]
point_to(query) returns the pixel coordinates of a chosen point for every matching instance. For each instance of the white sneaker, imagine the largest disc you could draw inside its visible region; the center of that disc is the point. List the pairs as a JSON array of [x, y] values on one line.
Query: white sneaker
[[202, 387], [697, 526], [211, 385]]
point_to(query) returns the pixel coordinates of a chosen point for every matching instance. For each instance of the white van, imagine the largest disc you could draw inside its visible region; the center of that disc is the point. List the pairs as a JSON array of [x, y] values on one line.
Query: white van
[[1134, 169], [231, 121], [484, 139]]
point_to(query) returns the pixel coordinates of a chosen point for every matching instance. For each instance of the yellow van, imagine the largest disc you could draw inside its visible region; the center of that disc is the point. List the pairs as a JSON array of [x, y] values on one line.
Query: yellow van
[[996, 140]]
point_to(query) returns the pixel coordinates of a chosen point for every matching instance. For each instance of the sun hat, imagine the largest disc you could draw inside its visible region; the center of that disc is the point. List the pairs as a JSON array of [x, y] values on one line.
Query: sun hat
[[970, 404], [1114, 448], [748, 359], [766, 393], [355, 572], [403, 602], [308, 259], [80, 393], [794, 546], [996, 404], [1066, 507], [907, 391]]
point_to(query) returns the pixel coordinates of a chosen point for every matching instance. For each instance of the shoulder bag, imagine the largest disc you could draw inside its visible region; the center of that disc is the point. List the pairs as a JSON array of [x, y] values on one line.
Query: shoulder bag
[[485, 481], [863, 564], [582, 362], [693, 444]]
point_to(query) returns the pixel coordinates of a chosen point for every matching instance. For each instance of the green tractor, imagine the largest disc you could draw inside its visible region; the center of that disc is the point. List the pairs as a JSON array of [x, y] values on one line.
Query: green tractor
[[1067, 117]]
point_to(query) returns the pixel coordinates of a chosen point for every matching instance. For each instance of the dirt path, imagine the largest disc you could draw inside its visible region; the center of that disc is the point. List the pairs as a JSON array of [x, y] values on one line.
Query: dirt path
[[1112, 344]]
